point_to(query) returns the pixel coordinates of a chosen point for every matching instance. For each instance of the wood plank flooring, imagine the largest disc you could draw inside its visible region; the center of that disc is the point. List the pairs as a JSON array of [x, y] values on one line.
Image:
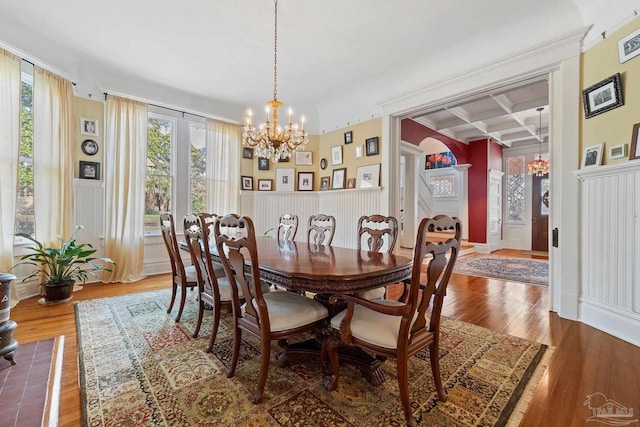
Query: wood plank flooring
[[585, 361]]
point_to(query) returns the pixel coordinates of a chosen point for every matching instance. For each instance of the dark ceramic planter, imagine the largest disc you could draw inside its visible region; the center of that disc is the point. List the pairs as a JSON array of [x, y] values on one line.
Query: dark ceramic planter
[[58, 293]]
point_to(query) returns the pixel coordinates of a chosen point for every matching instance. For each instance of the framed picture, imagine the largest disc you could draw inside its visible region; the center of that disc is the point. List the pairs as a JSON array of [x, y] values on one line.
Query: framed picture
[[592, 156], [351, 183], [263, 164], [618, 151], [338, 178], [89, 147], [304, 158], [634, 152], [305, 181], [325, 182], [372, 146], [359, 152], [247, 153], [602, 96], [284, 179], [336, 155], [323, 164], [368, 176], [247, 182], [88, 127], [629, 47], [265, 185], [89, 170], [348, 137]]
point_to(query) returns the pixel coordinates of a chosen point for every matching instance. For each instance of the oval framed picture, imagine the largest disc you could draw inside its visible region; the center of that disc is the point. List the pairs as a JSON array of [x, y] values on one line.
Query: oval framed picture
[[89, 147], [323, 163]]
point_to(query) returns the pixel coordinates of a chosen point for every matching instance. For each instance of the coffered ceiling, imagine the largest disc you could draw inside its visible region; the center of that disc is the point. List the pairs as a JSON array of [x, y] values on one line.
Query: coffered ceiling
[[508, 115]]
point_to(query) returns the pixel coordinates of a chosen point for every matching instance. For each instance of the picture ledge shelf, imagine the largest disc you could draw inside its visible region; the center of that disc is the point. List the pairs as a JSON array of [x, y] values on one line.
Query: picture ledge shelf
[[306, 193], [614, 169]]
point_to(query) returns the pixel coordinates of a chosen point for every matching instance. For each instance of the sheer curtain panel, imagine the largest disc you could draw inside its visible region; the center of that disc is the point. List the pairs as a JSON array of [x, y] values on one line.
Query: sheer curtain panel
[[223, 164], [125, 167], [9, 145], [53, 156]]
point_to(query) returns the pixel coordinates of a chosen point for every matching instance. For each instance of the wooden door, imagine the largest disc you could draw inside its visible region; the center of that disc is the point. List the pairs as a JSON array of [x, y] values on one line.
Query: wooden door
[[540, 214]]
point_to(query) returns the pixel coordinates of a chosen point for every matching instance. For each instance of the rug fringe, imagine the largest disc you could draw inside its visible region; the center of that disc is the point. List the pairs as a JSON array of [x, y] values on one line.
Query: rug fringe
[[527, 395]]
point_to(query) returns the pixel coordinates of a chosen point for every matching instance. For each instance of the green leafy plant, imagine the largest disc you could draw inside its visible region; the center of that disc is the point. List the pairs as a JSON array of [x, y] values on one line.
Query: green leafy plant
[[70, 261]]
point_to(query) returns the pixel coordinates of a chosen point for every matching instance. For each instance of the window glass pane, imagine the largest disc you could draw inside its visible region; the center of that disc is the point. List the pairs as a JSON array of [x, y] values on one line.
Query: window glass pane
[[25, 220], [198, 171], [158, 184], [515, 189]]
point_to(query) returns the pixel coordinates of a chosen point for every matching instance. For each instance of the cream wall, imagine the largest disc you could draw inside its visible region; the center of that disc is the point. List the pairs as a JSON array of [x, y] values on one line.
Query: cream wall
[[94, 110], [612, 127]]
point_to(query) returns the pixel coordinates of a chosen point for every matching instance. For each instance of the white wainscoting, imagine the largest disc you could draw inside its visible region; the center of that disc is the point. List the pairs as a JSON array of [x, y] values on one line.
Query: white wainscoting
[[610, 242], [347, 206]]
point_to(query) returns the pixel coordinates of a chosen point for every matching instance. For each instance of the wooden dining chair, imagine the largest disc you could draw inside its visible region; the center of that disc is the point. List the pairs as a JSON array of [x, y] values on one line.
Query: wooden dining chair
[[212, 290], [321, 229], [396, 329], [268, 316], [181, 277], [287, 227]]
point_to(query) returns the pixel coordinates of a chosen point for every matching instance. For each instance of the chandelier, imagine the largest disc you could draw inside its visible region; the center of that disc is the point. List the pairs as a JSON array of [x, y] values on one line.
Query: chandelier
[[539, 166], [269, 139]]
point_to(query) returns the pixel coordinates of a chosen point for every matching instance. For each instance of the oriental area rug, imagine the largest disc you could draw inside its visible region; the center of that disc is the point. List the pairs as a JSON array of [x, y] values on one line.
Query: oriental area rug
[[140, 368], [522, 270]]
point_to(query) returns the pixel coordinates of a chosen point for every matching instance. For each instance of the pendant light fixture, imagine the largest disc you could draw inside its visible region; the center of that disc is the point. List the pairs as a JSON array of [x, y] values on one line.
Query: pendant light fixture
[[539, 166]]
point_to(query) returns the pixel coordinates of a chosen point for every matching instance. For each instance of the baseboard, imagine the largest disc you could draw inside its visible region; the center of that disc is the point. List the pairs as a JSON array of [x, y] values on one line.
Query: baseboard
[[625, 326], [482, 248], [54, 385]]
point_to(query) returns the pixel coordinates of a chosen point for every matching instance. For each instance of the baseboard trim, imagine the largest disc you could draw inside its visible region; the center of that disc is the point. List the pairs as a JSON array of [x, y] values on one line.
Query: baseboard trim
[[54, 385], [620, 325]]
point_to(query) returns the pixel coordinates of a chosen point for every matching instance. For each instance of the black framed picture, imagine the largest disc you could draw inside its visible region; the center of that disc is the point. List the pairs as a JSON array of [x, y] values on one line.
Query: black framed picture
[[602, 96], [89, 147], [247, 153], [247, 182], [348, 137], [263, 164], [371, 145], [89, 170], [338, 178]]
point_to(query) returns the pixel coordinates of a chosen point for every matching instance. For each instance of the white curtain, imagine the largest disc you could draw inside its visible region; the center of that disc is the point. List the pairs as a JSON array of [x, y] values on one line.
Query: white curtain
[[53, 156], [125, 167], [9, 146], [223, 167]]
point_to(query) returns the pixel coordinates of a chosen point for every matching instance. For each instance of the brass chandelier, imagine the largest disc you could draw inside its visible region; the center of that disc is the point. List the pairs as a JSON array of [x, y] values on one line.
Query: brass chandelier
[[268, 139], [539, 166]]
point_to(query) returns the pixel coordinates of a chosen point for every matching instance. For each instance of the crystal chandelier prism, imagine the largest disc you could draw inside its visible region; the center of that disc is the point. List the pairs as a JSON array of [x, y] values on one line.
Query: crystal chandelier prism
[[269, 139], [539, 166]]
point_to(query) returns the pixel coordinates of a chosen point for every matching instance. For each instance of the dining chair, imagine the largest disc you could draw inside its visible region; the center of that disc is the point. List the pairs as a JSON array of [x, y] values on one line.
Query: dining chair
[[181, 277], [321, 229], [287, 227], [212, 290], [376, 233], [268, 316], [397, 329]]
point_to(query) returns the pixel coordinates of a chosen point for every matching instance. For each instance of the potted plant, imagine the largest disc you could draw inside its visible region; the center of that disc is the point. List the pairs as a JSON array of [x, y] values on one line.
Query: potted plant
[[60, 267]]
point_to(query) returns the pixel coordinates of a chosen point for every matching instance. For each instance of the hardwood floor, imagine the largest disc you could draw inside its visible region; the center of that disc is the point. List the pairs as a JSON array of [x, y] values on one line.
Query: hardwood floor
[[585, 361]]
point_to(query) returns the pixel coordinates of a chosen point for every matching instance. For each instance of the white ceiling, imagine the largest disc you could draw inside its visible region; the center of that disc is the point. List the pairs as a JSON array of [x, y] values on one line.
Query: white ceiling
[[338, 59]]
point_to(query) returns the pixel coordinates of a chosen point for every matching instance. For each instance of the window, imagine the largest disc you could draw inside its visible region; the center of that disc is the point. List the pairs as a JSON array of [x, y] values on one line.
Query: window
[[159, 178], [25, 219], [197, 169], [514, 206]]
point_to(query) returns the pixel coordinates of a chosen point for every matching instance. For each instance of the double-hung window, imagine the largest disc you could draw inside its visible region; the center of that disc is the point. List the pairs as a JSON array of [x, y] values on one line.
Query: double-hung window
[[160, 172]]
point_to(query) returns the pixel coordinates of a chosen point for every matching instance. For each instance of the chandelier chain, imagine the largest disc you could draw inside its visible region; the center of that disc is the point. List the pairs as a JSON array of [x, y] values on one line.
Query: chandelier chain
[[275, 53]]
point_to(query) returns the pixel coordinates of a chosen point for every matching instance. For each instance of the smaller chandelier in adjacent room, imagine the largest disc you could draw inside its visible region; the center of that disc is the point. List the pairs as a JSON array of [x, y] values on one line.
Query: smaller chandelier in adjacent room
[[268, 139], [539, 166]]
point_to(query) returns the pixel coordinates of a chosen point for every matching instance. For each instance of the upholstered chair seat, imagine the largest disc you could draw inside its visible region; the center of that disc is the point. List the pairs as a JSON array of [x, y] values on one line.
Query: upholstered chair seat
[[290, 310]]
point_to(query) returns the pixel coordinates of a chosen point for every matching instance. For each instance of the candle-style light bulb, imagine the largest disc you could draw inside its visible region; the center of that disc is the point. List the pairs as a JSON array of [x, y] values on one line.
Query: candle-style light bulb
[[302, 121], [266, 109], [290, 114], [250, 114]]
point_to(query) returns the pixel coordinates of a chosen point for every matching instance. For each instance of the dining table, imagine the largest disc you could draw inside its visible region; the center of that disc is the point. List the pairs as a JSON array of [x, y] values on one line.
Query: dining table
[[323, 271]]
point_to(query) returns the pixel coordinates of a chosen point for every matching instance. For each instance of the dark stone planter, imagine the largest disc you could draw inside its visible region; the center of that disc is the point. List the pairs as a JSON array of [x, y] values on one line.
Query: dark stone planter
[[55, 294]]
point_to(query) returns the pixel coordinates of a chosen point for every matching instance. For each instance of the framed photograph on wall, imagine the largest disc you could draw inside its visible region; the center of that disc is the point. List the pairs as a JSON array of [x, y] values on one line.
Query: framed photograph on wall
[[348, 137], [629, 46], [263, 164], [284, 179], [338, 179], [371, 144], [368, 176], [88, 127], [602, 96], [592, 156], [247, 153], [618, 151], [89, 170], [336, 155], [89, 147], [351, 183], [305, 181], [247, 182], [325, 181], [304, 158], [634, 152], [265, 184]]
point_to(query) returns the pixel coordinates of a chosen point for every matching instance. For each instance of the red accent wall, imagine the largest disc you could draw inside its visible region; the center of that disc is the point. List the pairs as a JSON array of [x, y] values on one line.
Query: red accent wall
[[478, 179], [495, 156], [414, 133]]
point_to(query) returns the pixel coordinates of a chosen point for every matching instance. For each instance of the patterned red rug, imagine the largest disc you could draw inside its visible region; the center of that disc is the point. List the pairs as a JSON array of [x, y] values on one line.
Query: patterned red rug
[[139, 368], [522, 270]]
